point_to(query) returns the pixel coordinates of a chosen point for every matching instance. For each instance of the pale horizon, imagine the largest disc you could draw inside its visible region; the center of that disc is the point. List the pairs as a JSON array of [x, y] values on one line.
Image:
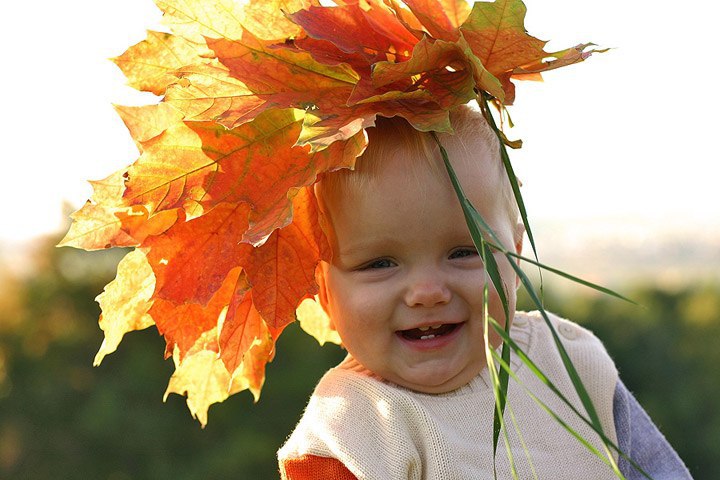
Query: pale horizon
[[622, 139]]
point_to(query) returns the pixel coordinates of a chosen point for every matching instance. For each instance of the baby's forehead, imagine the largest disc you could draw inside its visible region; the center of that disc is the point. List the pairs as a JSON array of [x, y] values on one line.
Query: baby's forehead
[[403, 165], [404, 179], [398, 157]]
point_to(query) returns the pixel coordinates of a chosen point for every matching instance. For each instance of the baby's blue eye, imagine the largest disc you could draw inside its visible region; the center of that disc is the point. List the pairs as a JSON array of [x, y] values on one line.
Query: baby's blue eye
[[463, 253], [379, 263]]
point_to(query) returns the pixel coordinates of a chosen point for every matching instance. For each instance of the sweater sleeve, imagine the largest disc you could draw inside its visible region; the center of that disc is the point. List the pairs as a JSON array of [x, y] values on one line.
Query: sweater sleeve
[[641, 440], [313, 467]]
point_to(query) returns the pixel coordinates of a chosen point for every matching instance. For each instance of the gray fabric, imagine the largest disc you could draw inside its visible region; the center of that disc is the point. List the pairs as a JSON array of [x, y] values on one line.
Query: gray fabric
[[641, 440]]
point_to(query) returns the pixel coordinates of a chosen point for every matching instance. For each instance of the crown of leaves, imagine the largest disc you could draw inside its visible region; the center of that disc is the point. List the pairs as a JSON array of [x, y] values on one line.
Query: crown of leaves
[[258, 98]]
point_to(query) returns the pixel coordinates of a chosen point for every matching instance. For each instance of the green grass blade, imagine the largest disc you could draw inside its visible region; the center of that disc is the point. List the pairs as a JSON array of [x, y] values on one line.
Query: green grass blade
[[568, 276], [500, 404], [493, 271], [567, 362], [483, 102]]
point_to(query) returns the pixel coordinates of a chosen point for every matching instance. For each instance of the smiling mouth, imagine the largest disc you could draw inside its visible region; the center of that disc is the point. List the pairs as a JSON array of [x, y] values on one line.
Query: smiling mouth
[[430, 332]]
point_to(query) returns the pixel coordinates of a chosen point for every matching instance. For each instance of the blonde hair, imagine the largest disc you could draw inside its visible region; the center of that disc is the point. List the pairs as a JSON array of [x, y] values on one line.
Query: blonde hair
[[393, 135]]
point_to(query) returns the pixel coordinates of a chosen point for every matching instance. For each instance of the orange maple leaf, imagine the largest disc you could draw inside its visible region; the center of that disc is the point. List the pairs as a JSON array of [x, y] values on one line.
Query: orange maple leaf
[[282, 270], [183, 325], [441, 18], [241, 327], [192, 259]]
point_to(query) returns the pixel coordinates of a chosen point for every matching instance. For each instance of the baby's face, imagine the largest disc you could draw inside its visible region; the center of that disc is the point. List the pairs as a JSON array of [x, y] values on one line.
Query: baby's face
[[404, 289]]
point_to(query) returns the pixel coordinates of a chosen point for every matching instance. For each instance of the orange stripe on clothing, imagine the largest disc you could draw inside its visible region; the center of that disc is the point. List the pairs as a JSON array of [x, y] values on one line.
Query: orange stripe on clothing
[[312, 467]]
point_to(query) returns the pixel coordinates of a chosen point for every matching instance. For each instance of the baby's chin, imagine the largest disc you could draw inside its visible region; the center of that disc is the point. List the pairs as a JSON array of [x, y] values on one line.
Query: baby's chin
[[435, 383]]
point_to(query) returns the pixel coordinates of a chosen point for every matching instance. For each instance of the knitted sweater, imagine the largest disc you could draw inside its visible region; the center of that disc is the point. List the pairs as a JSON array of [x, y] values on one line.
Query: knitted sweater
[[379, 431]]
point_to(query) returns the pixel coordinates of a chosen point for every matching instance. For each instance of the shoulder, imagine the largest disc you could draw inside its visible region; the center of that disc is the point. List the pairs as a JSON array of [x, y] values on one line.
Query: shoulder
[[349, 390], [582, 346], [344, 401], [357, 419], [588, 356]]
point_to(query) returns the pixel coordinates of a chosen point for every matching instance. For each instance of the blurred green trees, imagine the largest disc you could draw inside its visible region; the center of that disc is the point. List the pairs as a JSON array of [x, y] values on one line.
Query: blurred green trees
[[62, 418]]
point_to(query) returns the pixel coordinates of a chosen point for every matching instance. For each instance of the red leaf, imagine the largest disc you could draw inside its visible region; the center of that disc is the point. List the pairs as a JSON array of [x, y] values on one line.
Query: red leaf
[[282, 271], [192, 259], [242, 326], [281, 77], [441, 18], [348, 28], [183, 325]]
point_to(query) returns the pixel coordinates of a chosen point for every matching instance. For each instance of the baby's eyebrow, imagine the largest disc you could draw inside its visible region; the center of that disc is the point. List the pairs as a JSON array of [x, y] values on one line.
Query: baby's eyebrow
[[367, 246], [357, 249]]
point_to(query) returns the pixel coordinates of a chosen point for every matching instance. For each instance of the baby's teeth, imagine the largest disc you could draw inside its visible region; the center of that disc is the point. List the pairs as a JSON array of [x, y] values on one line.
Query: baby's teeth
[[425, 329], [427, 337]]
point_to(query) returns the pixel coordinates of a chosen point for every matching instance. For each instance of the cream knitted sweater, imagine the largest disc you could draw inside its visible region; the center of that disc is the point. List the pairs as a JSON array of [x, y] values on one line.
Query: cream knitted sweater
[[380, 431]]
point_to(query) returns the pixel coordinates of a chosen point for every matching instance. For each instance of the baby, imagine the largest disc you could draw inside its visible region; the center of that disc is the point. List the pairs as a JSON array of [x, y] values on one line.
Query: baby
[[414, 399]]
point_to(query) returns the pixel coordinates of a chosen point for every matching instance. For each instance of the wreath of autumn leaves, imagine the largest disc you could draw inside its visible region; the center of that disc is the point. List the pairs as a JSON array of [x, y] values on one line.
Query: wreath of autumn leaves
[[258, 98]]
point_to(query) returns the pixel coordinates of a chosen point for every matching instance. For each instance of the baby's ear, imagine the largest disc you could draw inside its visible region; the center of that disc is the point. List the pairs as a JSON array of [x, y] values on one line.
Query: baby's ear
[[320, 277], [518, 237]]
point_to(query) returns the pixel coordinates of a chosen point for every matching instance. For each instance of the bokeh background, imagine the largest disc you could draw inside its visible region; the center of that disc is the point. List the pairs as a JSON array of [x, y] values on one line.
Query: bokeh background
[[619, 173]]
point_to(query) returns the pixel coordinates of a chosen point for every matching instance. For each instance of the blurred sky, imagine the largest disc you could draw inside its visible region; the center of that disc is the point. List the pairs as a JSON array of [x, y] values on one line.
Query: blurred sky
[[625, 138]]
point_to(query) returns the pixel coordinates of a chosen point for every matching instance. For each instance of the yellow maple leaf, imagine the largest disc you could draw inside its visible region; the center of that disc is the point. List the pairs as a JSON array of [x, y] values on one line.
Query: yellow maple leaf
[[125, 302]]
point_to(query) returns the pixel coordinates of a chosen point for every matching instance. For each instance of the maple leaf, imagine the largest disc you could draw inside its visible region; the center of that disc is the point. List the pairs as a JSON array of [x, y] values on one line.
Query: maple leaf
[[240, 328], [246, 342], [448, 71], [315, 322], [150, 65], [282, 270], [148, 121], [198, 165], [265, 68], [208, 92], [192, 259], [496, 33], [258, 99], [105, 221], [196, 20], [350, 28], [202, 376], [125, 302], [562, 58], [184, 324], [269, 19], [441, 18], [252, 369]]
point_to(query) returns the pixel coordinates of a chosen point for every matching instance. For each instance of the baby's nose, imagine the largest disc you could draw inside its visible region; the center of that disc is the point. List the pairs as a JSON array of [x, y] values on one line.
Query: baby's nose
[[428, 291]]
